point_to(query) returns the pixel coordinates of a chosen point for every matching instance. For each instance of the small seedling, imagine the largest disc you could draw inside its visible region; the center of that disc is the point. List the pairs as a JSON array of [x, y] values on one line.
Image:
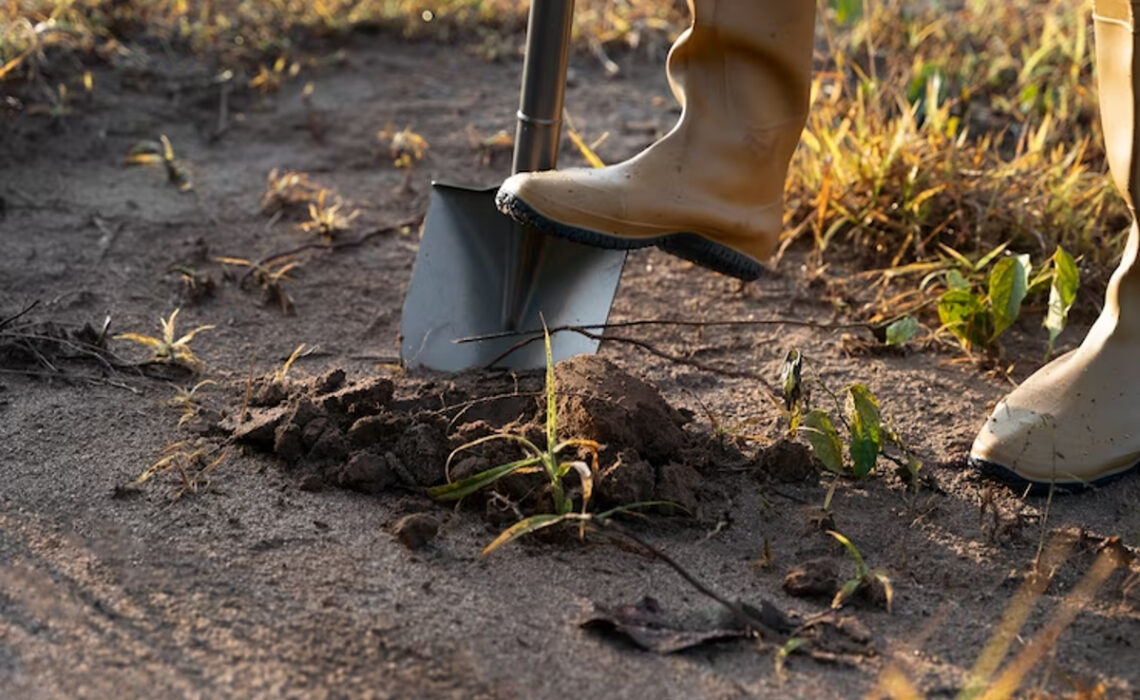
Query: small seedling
[[288, 191], [405, 147], [187, 401], [270, 79], [328, 221], [190, 464], [161, 152], [548, 461], [281, 372], [269, 278], [874, 582], [167, 349], [978, 319], [196, 286]]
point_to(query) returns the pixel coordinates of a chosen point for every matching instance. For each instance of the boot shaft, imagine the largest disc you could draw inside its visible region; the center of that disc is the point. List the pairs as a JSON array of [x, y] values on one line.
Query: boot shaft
[[1117, 73]]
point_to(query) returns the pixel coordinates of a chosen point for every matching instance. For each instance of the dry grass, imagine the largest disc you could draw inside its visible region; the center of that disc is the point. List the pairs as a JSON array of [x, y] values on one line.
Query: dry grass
[[963, 123]]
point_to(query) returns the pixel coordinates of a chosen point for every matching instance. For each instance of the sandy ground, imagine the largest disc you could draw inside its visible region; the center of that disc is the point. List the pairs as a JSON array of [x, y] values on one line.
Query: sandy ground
[[267, 584]]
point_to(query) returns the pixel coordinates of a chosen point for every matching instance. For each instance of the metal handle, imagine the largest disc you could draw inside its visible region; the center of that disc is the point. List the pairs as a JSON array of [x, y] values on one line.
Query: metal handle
[[543, 85]]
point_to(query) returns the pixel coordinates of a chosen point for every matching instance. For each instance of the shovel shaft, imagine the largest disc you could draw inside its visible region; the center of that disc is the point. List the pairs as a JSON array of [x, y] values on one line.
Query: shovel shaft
[[537, 138], [543, 85]]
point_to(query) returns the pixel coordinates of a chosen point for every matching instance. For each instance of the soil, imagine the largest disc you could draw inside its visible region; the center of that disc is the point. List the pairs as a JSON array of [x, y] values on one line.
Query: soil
[[308, 562]]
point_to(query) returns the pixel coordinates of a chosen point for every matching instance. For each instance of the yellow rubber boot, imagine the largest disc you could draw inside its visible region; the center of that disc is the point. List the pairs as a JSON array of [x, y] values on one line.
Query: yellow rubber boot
[[711, 190], [1077, 420]]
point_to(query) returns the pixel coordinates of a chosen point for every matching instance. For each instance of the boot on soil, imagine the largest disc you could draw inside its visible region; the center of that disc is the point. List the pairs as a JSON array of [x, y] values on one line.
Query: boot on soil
[[711, 190], [1076, 421]]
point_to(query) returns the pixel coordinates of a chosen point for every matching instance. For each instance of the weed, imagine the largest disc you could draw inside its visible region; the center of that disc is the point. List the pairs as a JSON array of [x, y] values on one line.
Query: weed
[[874, 583], [405, 147], [187, 401], [161, 152], [328, 221], [288, 191], [978, 319], [270, 79], [167, 349], [268, 277], [192, 465], [282, 372], [196, 286], [868, 434], [548, 461]]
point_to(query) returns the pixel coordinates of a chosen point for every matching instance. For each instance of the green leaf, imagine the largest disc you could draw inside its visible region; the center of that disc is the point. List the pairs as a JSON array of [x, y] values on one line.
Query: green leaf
[[847, 11], [465, 487], [902, 331], [1062, 294], [791, 378], [1009, 283], [526, 526], [866, 423], [962, 313], [824, 439], [861, 569], [955, 280]]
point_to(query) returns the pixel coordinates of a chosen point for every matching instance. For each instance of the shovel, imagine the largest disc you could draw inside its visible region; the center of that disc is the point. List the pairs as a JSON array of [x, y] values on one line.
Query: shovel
[[479, 273]]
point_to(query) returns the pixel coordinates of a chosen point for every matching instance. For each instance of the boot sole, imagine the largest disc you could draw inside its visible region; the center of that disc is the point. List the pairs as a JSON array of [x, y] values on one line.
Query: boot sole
[[1014, 480], [689, 246]]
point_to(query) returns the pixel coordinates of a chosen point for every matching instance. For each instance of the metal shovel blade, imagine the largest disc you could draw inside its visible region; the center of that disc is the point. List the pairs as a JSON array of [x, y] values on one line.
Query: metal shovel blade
[[460, 283]]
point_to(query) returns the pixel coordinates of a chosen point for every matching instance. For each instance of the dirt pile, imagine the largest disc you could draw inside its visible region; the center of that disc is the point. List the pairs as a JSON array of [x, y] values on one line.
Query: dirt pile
[[375, 434]]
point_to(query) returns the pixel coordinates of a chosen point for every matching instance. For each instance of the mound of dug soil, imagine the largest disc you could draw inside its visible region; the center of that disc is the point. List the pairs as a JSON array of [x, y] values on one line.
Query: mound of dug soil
[[375, 434]]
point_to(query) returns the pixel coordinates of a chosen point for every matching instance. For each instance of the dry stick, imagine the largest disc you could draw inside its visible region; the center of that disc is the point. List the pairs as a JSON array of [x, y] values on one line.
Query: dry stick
[[668, 322], [652, 350], [320, 245], [27, 308], [735, 608]]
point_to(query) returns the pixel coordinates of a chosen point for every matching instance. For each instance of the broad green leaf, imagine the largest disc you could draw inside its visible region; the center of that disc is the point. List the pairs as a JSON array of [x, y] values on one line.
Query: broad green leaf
[[468, 486], [824, 439], [1009, 283], [902, 331], [1062, 294], [866, 423], [955, 280], [962, 313], [526, 526]]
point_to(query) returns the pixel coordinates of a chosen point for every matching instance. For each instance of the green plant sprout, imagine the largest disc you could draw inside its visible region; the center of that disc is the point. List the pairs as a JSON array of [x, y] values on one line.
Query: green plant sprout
[[864, 578], [860, 414], [978, 319], [548, 461], [161, 152], [167, 349]]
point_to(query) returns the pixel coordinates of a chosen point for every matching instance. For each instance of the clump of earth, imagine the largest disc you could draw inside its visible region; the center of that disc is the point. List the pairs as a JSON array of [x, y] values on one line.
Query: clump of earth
[[377, 434]]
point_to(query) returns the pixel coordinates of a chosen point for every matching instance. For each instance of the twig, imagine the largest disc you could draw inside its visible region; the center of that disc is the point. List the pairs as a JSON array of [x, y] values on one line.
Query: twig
[[321, 245], [26, 309], [738, 611], [769, 389], [668, 322], [71, 377]]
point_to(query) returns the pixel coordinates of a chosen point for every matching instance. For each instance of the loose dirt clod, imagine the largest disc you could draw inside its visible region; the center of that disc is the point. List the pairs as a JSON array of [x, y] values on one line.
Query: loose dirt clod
[[787, 461], [358, 435], [417, 530], [815, 578]]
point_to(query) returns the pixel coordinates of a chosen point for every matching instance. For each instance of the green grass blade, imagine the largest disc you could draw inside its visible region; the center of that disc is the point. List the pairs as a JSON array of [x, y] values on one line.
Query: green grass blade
[[468, 486], [551, 394], [860, 566], [527, 526]]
